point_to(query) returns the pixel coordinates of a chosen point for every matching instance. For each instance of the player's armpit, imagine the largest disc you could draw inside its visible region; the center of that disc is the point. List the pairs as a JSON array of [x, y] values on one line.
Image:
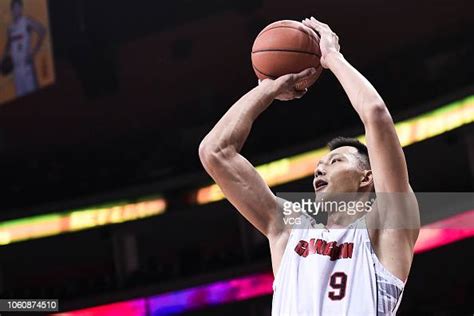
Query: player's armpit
[[395, 211], [393, 226]]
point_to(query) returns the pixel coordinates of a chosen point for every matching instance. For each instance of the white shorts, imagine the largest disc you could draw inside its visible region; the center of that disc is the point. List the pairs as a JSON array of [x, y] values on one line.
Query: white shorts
[[25, 79]]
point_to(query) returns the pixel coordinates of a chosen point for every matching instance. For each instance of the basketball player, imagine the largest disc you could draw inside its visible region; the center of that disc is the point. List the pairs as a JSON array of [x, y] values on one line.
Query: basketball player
[[355, 264], [20, 49]]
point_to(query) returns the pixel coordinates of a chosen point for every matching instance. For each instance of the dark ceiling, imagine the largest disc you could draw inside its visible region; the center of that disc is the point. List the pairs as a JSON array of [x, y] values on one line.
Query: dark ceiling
[[140, 83]]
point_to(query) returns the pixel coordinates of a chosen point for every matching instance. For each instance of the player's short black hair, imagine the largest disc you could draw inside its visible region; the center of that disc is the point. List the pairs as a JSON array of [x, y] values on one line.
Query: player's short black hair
[[353, 142], [19, 2]]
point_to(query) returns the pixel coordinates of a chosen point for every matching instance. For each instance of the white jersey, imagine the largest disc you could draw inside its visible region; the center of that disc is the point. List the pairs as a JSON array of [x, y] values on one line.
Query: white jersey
[[20, 49], [333, 272], [20, 40]]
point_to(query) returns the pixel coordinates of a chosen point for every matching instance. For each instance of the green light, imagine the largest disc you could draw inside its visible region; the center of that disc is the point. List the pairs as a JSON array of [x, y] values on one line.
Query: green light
[[57, 223]]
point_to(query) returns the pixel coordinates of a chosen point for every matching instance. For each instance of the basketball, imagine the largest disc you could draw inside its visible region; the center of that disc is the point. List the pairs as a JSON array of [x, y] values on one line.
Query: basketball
[[286, 47]]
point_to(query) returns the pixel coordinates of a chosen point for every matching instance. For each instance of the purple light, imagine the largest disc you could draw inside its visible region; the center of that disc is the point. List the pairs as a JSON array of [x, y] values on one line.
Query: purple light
[[211, 294]]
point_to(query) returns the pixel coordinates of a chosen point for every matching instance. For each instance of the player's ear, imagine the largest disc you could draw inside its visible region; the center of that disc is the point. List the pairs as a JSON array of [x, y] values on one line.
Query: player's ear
[[366, 178]]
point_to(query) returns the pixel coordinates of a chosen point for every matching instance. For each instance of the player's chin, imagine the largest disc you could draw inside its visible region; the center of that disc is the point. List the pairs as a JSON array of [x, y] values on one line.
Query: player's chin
[[323, 194]]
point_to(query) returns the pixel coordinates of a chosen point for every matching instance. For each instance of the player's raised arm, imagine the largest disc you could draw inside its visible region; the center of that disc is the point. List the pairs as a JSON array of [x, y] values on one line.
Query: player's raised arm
[[220, 153], [397, 206]]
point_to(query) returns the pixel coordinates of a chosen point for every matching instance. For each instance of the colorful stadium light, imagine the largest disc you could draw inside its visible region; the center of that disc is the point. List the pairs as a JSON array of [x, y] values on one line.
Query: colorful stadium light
[[127, 308], [172, 303], [217, 293], [243, 288], [410, 131], [277, 172], [436, 234], [64, 222]]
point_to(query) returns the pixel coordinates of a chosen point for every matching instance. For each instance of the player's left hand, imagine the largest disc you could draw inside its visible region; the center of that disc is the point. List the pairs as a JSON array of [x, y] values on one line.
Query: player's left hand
[[329, 41], [284, 88]]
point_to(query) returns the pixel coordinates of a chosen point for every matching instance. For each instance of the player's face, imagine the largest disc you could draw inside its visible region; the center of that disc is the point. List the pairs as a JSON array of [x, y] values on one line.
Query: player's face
[[338, 171], [17, 10]]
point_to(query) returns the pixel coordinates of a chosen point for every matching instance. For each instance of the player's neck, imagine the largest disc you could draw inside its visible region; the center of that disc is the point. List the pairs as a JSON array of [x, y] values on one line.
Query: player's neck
[[341, 220], [354, 208]]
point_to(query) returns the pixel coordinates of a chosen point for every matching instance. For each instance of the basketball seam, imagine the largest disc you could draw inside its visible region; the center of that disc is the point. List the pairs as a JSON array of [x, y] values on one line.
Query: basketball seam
[[314, 39], [283, 27], [267, 75], [285, 50], [290, 27]]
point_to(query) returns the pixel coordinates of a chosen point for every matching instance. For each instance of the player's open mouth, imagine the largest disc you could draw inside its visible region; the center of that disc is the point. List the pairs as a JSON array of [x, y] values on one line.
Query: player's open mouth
[[320, 184]]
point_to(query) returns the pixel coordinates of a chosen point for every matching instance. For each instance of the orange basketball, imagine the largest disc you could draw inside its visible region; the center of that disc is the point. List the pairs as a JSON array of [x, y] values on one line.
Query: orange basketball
[[286, 47]]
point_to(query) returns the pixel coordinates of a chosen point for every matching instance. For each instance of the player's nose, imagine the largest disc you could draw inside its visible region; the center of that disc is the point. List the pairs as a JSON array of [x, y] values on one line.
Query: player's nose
[[319, 172]]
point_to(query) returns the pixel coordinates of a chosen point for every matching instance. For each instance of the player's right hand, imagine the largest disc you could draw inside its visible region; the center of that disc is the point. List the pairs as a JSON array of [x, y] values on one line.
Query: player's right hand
[[284, 88]]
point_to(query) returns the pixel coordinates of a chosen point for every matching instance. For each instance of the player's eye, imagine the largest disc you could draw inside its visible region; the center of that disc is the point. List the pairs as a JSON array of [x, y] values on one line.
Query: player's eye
[[334, 160]]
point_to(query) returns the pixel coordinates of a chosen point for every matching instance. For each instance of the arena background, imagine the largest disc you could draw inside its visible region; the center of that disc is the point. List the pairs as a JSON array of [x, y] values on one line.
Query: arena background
[[105, 205]]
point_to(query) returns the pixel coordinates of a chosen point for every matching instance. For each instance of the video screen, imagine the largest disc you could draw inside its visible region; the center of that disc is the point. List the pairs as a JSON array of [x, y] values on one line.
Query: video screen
[[26, 57]]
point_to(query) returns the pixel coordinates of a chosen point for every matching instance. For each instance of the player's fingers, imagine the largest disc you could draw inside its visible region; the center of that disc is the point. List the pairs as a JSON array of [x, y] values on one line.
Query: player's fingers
[[298, 94], [312, 25], [320, 24], [308, 22], [319, 28], [305, 73]]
